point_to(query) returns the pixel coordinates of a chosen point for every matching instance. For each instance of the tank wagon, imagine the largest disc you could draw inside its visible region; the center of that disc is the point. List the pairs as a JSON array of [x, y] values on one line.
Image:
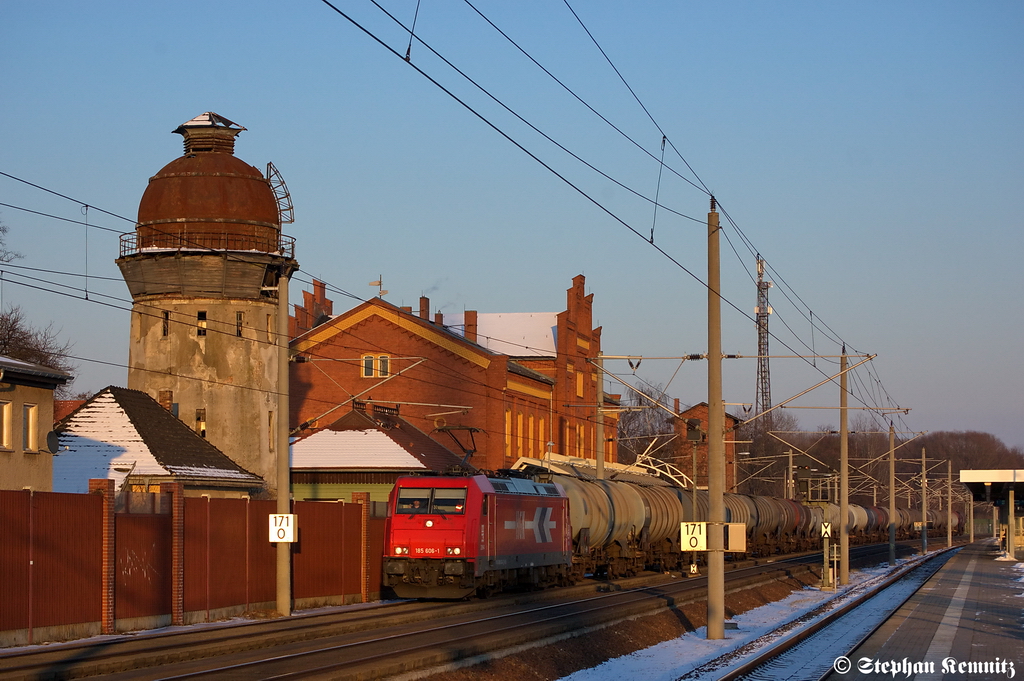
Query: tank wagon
[[546, 524]]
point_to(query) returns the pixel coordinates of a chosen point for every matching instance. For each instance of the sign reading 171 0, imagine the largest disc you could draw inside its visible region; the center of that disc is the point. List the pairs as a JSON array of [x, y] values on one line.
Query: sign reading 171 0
[[282, 527], [694, 537]]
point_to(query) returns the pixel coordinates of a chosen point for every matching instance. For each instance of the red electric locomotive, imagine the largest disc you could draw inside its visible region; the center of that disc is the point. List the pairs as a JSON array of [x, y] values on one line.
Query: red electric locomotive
[[448, 537]]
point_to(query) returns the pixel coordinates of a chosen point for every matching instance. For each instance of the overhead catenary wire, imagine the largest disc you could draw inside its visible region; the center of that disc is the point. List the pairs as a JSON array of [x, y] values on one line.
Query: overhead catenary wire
[[656, 201]]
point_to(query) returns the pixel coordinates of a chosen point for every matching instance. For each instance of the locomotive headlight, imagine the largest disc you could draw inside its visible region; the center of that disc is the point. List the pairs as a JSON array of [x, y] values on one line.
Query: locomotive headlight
[[429, 523], [400, 550], [453, 551]]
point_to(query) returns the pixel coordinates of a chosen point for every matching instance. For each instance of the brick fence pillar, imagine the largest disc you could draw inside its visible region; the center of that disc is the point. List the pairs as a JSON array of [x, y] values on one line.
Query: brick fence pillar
[[363, 498], [105, 487], [177, 492]]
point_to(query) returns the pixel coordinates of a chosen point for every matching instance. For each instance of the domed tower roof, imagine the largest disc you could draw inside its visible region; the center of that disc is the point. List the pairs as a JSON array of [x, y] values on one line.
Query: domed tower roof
[[209, 198]]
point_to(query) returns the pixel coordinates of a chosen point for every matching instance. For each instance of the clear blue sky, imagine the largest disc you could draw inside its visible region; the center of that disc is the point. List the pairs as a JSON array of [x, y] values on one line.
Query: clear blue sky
[[870, 151]]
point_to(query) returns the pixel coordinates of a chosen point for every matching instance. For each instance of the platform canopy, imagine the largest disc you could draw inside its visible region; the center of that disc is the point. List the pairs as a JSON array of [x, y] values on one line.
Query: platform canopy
[[994, 485]]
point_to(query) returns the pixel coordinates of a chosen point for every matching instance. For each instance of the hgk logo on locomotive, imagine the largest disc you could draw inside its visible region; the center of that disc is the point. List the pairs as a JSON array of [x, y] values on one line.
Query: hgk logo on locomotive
[[542, 524]]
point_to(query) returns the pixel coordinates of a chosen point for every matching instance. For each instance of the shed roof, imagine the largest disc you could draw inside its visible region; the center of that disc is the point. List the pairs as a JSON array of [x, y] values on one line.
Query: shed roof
[[29, 373], [120, 432], [371, 441]]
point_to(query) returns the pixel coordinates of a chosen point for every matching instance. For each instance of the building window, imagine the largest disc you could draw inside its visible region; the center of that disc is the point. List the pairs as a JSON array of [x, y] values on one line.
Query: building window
[[30, 428], [165, 324], [5, 425], [519, 434], [531, 436], [271, 432], [239, 318], [201, 323], [579, 384], [508, 435], [201, 422], [375, 366]]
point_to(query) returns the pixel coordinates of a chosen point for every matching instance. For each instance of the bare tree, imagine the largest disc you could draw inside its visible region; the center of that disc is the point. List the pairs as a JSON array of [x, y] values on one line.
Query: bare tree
[[764, 472], [643, 422], [20, 340], [5, 254]]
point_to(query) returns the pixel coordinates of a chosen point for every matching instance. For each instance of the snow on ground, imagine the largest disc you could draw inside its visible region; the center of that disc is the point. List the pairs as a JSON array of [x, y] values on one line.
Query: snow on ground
[[673, 659]]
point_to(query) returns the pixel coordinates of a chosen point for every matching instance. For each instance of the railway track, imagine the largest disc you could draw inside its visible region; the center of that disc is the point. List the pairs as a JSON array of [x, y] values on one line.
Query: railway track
[[381, 641], [798, 650]]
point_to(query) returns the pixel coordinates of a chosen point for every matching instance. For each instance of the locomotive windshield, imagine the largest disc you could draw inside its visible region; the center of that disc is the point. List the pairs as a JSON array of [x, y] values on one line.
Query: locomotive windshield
[[442, 500]]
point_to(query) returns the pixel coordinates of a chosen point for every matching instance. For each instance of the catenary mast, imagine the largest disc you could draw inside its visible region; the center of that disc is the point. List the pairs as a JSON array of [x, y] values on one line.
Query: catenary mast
[[763, 397]]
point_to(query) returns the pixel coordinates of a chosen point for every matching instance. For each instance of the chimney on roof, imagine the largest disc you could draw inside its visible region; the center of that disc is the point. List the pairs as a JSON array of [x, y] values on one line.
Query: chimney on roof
[[407, 308], [677, 406], [439, 318], [424, 307], [470, 332], [166, 399]]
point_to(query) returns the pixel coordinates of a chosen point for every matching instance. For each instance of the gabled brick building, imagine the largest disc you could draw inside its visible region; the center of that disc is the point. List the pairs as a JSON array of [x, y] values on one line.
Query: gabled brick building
[[685, 463], [496, 386]]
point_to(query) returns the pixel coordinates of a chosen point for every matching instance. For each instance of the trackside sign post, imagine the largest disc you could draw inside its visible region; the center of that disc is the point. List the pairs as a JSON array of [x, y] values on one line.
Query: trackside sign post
[[694, 537], [282, 528]]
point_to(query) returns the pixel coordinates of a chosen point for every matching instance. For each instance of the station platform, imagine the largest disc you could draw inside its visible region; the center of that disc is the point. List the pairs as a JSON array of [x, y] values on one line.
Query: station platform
[[966, 622]]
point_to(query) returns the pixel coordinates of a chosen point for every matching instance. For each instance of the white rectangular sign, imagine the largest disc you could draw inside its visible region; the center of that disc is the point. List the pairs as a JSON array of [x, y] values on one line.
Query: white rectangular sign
[[282, 527], [694, 536], [826, 530], [736, 537]]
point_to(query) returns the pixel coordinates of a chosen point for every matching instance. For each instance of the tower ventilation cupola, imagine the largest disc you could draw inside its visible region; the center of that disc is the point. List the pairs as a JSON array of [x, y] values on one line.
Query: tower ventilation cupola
[[209, 133]]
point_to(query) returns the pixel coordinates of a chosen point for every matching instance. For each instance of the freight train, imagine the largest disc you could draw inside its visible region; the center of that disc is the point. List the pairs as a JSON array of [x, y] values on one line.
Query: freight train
[[547, 524]]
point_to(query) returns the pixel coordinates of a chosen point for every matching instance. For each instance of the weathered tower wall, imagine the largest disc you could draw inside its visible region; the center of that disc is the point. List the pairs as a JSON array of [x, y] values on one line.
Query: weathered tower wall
[[203, 269]]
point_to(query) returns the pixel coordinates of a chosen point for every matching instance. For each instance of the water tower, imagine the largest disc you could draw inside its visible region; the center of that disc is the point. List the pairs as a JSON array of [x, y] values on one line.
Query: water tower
[[205, 266]]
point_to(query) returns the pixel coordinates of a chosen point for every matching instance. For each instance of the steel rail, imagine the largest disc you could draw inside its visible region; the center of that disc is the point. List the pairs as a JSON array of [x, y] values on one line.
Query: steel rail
[[750, 667]]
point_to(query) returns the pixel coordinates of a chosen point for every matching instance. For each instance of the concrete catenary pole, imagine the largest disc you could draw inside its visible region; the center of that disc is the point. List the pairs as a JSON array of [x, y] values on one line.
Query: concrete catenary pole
[[924, 503], [284, 549], [1011, 522], [949, 503], [599, 454], [716, 439], [970, 518], [844, 478], [892, 495]]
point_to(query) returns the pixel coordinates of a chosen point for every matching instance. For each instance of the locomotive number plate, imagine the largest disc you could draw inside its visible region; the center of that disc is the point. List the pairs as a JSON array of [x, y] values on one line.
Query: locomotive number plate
[[426, 551]]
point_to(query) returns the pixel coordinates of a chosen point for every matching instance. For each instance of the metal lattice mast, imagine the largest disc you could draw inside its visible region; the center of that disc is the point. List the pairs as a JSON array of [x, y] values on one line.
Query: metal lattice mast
[[763, 397]]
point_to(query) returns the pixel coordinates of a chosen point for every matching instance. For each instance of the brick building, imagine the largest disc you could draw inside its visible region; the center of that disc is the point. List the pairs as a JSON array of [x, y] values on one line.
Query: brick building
[[685, 463], [495, 386]]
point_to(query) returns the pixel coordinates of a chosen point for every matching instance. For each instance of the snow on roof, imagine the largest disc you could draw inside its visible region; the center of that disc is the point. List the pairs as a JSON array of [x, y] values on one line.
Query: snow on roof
[[102, 440], [517, 334], [351, 449]]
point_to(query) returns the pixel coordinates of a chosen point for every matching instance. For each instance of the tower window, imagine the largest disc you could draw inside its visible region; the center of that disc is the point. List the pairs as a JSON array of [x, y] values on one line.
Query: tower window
[[239, 318], [165, 324], [201, 323], [201, 422]]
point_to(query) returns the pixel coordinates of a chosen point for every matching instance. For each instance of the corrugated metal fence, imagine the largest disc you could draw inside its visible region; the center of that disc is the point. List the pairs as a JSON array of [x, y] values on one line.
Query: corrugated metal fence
[[52, 561]]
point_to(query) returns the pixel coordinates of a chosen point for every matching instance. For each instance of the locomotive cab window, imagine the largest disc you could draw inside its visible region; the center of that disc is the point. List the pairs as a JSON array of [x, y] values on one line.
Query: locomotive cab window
[[413, 500], [449, 501], [442, 501]]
